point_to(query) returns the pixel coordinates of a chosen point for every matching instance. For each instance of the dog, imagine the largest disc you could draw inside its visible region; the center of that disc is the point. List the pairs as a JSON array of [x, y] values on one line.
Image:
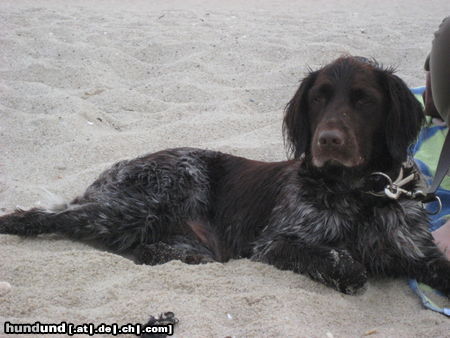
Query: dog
[[349, 128]]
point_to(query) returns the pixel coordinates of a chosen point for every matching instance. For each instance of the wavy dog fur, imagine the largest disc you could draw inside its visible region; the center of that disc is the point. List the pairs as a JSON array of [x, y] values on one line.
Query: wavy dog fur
[[311, 214]]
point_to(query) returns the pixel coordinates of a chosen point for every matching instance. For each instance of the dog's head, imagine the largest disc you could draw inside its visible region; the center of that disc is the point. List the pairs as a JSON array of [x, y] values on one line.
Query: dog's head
[[352, 114]]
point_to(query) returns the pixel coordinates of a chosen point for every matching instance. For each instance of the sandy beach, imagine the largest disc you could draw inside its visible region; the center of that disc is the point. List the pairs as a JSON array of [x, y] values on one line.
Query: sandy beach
[[84, 84]]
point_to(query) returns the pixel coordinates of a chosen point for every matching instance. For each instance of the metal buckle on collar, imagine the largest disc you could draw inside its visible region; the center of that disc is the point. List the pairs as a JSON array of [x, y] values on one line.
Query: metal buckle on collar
[[389, 184], [394, 190]]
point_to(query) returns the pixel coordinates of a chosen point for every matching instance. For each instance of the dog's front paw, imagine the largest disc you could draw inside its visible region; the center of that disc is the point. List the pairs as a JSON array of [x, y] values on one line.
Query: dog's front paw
[[341, 272]]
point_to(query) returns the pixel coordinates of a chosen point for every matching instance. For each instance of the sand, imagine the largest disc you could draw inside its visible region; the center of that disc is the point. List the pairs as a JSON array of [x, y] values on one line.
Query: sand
[[83, 85]]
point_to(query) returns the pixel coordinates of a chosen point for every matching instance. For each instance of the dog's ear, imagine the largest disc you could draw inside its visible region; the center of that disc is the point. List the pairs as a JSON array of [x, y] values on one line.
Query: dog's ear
[[296, 129], [405, 116]]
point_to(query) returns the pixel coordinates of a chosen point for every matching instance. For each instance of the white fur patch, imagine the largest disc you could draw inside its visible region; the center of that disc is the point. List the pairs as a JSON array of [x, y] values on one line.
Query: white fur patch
[[51, 201]]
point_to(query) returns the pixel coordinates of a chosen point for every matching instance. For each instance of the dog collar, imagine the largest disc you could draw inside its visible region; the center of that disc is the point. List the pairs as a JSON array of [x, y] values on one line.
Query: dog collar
[[395, 189]]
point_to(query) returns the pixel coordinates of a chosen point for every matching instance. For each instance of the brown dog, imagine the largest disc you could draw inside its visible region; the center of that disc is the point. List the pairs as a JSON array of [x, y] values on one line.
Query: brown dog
[[318, 214]]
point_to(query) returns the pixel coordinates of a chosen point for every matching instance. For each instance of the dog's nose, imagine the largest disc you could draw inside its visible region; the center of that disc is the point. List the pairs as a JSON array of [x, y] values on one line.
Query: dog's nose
[[331, 138]]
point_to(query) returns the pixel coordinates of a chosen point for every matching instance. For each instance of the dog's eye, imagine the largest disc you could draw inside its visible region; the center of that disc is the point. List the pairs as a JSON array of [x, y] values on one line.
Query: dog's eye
[[362, 102], [360, 98], [316, 99], [320, 94]]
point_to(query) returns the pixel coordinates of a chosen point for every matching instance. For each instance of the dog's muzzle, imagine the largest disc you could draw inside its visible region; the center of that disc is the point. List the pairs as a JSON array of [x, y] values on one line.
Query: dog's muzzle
[[335, 146]]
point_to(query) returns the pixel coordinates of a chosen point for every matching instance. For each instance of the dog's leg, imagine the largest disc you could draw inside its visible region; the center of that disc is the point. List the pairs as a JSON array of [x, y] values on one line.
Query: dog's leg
[[89, 221], [332, 266], [420, 258], [26, 223], [95, 222], [435, 272]]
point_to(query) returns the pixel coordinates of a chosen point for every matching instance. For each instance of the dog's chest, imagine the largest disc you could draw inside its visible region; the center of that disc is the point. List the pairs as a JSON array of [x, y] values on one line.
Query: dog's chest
[[318, 219], [394, 229], [333, 219], [321, 216]]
